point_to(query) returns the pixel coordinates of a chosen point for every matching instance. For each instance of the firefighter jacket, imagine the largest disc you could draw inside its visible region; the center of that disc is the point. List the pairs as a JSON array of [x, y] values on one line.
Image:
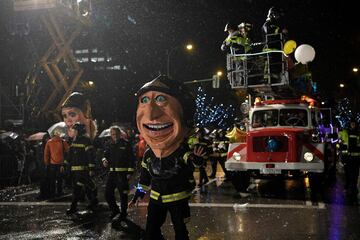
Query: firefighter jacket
[[168, 179], [220, 146], [120, 157], [195, 141], [236, 43], [350, 140], [272, 30], [55, 150], [80, 156]]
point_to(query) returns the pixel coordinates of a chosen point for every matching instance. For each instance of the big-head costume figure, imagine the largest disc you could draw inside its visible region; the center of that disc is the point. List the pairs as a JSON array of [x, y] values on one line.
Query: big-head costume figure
[[163, 114], [76, 108]]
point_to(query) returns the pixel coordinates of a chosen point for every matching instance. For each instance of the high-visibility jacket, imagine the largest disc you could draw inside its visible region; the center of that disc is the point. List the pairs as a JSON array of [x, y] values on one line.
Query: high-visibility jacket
[[350, 139], [238, 43]]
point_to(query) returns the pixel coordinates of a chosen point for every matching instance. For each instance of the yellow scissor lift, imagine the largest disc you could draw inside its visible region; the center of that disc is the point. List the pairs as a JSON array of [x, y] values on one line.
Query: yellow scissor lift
[[64, 20]]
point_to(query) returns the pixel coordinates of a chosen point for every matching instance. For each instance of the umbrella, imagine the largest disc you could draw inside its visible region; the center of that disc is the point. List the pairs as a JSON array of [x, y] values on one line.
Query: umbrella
[[11, 135], [60, 126], [36, 136], [105, 133]]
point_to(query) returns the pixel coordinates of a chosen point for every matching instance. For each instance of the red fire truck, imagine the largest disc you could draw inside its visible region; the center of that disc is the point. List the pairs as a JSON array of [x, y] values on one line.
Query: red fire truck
[[284, 134], [284, 138]]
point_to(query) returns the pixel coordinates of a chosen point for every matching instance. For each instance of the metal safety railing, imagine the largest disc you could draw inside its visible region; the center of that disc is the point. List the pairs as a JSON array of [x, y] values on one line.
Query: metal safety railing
[[266, 68], [257, 69]]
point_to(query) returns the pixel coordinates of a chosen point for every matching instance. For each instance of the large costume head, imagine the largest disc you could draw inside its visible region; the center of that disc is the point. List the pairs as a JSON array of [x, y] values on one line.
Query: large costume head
[[77, 109], [164, 111]]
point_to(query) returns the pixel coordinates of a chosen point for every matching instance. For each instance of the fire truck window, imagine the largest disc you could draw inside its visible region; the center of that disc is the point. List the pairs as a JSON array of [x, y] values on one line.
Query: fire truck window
[[265, 118], [293, 117]]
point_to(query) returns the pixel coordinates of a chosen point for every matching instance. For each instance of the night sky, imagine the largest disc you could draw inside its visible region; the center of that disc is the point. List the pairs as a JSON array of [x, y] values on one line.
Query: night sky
[[138, 33]]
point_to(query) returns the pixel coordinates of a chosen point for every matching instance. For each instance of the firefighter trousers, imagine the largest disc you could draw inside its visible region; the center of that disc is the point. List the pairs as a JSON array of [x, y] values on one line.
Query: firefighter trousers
[[203, 178], [82, 180], [117, 181], [180, 214], [214, 162]]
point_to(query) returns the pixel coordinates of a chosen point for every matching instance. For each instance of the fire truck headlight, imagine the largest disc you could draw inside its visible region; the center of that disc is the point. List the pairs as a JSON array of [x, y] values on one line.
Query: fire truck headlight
[[237, 156], [308, 156]]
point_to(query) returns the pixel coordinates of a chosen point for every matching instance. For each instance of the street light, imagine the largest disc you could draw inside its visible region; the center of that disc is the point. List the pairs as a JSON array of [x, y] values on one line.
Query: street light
[[342, 85], [188, 47]]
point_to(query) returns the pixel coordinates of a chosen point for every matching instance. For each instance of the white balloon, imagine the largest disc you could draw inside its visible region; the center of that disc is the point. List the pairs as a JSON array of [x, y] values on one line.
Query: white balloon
[[304, 53]]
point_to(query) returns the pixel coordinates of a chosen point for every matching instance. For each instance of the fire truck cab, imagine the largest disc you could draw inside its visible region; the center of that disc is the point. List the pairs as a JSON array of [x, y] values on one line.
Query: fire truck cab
[[283, 138]]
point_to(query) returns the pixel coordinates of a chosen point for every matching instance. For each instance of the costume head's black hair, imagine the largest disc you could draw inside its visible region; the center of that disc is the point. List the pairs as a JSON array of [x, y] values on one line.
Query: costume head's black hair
[[77, 100]]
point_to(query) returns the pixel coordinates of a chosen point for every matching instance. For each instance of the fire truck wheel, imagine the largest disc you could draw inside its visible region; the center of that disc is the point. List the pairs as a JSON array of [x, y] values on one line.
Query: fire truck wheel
[[240, 180]]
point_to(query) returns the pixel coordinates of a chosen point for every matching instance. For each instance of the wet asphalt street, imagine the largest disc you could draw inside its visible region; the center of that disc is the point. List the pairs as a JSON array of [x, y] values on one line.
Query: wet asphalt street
[[276, 209]]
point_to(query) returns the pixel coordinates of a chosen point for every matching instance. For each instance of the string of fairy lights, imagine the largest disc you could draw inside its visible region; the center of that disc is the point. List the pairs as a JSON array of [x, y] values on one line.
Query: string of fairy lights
[[344, 113], [210, 114]]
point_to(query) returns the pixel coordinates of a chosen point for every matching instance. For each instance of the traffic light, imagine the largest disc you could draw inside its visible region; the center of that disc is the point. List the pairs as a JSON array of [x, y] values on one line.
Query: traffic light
[[216, 81]]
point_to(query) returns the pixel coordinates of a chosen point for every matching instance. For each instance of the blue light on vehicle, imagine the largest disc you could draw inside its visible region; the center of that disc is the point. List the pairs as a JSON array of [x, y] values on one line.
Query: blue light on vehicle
[[272, 145]]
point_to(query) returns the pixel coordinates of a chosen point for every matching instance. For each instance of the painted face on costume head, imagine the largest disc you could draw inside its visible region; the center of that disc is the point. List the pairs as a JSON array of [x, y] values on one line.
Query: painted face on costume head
[[70, 116], [158, 119]]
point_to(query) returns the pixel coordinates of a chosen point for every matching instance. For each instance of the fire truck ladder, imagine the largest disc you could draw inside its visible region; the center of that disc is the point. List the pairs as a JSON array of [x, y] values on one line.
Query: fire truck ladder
[[64, 23]]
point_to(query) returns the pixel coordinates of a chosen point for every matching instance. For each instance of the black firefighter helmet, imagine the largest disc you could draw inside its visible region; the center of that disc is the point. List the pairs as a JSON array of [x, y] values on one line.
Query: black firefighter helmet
[[230, 25], [273, 13]]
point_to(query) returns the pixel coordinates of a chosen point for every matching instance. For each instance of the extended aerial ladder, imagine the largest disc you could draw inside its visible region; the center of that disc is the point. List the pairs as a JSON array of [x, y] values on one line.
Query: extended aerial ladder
[[64, 21]]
